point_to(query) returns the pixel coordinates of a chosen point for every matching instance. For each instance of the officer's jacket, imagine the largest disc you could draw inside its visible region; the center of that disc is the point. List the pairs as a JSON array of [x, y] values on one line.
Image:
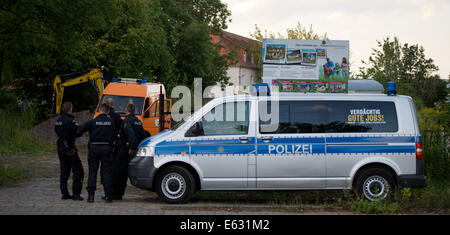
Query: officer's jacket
[[131, 132], [66, 128], [117, 120], [101, 129]]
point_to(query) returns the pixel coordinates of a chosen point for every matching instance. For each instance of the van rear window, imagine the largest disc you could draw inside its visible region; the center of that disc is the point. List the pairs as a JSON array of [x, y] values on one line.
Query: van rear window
[[331, 117]]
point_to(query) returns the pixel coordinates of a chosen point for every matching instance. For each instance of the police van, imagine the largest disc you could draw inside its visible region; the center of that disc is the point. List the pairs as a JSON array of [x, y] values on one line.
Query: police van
[[370, 142]]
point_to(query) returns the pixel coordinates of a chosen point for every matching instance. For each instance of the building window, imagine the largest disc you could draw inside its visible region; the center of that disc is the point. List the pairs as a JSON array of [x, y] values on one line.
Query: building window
[[253, 59], [245, 55]]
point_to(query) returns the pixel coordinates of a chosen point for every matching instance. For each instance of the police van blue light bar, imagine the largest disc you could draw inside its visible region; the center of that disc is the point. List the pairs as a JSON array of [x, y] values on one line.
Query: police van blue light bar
[[391, 88], [130, 80], [260, 89]]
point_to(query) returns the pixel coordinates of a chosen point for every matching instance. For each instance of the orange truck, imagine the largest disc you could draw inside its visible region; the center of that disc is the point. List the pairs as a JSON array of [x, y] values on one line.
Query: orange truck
[[146, 96]]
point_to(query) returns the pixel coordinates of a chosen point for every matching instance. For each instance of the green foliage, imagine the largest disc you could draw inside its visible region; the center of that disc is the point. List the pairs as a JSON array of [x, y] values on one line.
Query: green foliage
[[436, 195], [167, 41], [16, 135], [378, 207], [8, 101], [434, 124], [436, 155], [11, 173], [408, 66], [435, 119]]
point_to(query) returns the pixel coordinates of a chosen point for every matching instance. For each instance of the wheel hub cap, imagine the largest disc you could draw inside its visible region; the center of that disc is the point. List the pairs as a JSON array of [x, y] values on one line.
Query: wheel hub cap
[[173, 185], [376, 188]]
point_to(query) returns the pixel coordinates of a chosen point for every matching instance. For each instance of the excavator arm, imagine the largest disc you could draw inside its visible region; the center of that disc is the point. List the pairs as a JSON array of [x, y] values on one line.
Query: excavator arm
[[95, 77]]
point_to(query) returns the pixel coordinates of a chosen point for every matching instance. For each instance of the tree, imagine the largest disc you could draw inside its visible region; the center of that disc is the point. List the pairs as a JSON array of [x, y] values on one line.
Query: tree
[[298, 32], [189, 25], [39, 39], [408, 66], [167, 41]]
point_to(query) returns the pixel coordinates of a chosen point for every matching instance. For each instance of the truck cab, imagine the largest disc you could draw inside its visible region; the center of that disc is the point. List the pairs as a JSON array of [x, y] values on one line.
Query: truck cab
[[144, 95]]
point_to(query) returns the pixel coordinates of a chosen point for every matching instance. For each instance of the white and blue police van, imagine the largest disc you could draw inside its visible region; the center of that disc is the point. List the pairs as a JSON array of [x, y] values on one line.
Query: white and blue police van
[[370, 142]]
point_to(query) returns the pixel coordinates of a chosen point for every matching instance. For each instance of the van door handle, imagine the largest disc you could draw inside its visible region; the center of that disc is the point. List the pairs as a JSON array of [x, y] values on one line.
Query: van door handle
[[267, 139], [244, 140]]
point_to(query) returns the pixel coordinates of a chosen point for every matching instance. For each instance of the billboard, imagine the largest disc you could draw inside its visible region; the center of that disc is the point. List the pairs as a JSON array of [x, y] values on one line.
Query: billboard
[[294, 65]]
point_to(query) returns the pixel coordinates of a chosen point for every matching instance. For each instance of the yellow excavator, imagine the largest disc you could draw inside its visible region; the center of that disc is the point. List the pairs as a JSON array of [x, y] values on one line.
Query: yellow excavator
[[94, 76]]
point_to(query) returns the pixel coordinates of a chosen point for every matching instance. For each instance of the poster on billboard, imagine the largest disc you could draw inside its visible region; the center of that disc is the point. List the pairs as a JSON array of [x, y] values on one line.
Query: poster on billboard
[[294, 65]]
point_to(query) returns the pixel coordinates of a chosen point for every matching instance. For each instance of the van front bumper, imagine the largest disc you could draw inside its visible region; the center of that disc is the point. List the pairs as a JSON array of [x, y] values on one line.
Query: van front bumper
[[411, 181], [141, 172]]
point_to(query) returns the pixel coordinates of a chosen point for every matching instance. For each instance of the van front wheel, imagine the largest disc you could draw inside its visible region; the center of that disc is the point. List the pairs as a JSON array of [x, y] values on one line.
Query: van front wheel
[[375, 184], [175, 184]]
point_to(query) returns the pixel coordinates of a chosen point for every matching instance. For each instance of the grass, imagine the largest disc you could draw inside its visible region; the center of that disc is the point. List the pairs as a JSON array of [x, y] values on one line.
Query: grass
[[19, 147], [16, 134], [434, 198], [11, 173]]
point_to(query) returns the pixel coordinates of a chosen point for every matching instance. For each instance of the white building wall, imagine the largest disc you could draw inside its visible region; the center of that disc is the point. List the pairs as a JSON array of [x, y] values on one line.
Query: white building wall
[[241, 78]]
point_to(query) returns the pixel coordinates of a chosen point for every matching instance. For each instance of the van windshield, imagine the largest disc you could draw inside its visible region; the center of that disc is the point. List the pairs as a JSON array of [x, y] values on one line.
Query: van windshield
[[120, 102]]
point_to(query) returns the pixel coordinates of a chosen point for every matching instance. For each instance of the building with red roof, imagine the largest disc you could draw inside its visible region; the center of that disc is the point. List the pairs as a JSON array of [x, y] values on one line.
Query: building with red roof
[[243, 72]]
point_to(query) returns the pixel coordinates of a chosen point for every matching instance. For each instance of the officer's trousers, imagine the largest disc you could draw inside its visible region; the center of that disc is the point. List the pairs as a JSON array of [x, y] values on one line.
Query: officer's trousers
[[68, 164], [100, 155], [121, 172]]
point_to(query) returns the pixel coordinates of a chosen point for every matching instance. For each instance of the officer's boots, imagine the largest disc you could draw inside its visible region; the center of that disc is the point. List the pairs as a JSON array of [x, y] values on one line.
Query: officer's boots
[[108, 199], [91, 197], [77, 198]]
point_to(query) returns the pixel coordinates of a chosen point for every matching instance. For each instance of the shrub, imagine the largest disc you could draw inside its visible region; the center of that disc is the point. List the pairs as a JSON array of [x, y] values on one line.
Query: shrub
[[8, 101], [436, 155], [16, 134]]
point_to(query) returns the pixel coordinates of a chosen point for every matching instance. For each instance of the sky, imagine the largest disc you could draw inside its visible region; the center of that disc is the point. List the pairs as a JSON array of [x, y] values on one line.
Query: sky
[[423, 22]]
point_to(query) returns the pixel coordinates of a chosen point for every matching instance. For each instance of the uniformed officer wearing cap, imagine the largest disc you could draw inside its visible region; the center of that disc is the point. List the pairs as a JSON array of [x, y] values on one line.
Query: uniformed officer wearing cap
[[117, 119], [117, 123], [101, 135], [66, 129], [131, 134]]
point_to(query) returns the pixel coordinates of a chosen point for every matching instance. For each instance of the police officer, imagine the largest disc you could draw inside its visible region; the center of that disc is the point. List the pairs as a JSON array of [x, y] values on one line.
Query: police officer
[[114, 116], [66, 129], [131, 134], [101, 134], [117, 123]]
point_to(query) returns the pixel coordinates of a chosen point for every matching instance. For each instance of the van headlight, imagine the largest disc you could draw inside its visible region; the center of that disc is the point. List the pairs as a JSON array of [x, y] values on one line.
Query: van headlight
[[146, 151]]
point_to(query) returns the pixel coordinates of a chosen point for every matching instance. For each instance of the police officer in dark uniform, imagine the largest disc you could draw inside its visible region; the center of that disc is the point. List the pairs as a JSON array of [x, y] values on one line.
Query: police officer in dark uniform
[[131, 134], [101, 134], [117, 123], [112, 113], [66, 129]]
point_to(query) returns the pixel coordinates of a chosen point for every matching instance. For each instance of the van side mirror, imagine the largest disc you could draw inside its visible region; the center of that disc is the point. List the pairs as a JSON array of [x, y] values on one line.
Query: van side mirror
[[147, 114], [195, 130], [92, 109]]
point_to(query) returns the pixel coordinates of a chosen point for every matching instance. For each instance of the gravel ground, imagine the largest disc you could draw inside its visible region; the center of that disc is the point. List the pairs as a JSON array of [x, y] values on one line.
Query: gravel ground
[[40, 195]]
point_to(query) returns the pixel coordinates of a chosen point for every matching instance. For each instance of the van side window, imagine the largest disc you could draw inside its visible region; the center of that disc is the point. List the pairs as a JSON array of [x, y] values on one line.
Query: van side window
[[333, 117], [154, 111], [362, 116], [227, 119]]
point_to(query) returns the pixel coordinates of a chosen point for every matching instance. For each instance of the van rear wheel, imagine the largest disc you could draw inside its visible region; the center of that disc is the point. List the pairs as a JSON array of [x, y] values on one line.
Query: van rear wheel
[[175, 184], [375, 184]]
